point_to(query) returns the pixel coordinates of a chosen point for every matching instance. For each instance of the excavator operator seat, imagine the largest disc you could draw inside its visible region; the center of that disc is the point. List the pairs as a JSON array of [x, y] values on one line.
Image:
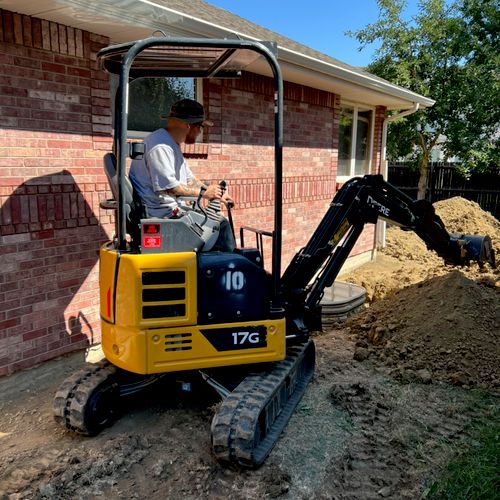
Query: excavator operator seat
[[192, 232], [134, 209]]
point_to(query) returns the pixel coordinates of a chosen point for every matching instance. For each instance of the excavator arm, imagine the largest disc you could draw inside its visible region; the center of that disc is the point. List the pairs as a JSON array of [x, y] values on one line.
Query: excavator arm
[[360, 201]]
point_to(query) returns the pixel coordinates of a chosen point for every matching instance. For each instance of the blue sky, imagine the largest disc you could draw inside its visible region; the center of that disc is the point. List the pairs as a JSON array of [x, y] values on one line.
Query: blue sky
[[320, 25]]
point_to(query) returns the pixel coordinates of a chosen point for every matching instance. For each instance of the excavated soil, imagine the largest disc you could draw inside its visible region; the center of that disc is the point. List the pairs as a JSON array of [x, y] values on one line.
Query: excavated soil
[[396, 393], [428, 321]]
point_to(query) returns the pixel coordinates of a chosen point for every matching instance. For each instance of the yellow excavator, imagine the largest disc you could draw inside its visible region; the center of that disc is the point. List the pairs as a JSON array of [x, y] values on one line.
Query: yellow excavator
[[170, 306]]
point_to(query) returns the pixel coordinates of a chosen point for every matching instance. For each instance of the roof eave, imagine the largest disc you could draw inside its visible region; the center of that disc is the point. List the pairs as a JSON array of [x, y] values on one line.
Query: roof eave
[[123, 19]]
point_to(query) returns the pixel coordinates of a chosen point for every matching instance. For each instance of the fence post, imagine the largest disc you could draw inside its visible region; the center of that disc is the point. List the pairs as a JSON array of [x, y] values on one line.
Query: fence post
[[430, 182]]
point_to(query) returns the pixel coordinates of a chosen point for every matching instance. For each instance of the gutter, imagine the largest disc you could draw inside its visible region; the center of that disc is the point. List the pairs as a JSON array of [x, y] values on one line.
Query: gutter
[[384, 168], [385, 125]]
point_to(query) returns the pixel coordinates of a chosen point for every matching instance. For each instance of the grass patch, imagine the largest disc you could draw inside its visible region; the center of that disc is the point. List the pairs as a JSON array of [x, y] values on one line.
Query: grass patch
[[475, 473]]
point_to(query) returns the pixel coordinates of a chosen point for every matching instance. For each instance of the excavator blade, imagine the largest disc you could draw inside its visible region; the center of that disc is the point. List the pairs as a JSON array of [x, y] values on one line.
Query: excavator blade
[[477, 248]]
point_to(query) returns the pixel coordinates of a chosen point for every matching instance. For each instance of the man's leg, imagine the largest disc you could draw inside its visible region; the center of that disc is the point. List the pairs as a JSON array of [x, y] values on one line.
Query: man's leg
[[225, 242]]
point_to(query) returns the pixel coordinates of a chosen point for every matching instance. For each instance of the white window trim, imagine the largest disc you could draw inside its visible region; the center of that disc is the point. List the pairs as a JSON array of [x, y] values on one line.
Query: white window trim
[[356, 106]]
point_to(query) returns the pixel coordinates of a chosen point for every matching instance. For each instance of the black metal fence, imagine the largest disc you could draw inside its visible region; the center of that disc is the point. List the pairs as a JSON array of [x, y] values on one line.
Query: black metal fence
[[446, 181]]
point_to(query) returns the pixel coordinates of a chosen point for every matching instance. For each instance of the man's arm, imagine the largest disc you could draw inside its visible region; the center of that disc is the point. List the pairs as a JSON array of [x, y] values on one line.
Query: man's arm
[[194, 187]]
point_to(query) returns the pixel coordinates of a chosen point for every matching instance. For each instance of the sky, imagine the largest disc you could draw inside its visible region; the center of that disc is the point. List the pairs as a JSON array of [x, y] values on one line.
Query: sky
[[320, 25]]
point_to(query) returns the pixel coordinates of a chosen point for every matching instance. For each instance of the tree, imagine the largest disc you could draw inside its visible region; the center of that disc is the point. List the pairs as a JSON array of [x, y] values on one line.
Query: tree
[[448, 53]]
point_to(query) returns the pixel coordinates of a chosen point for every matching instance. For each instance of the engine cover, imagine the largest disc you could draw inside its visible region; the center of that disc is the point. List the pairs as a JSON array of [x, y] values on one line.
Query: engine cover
[[231, 288]]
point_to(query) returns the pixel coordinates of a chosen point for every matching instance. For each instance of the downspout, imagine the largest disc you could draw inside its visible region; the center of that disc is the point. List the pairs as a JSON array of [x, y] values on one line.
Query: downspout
[[383, 163]]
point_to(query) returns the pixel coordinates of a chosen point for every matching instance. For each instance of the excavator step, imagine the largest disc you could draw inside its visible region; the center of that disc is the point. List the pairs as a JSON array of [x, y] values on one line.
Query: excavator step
[[250, 420]]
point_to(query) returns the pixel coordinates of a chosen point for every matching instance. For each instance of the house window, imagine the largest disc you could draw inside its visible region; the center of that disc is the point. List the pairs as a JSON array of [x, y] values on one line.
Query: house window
[[355, 141], [150, 100]]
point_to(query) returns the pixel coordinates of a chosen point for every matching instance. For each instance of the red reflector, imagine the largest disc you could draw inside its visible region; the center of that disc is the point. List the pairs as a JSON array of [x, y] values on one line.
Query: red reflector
[[151, 228], [108, 302]]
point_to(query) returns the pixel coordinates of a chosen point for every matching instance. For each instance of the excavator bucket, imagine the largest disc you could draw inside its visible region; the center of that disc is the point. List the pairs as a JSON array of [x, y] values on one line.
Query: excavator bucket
[[477, 248]]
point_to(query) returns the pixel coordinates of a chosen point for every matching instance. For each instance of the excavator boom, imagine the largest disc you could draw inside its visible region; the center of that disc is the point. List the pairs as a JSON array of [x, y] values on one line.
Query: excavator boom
[[360, 201]]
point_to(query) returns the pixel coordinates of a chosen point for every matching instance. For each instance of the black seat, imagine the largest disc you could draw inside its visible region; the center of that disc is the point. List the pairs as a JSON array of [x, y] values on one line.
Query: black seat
[[134, 209]]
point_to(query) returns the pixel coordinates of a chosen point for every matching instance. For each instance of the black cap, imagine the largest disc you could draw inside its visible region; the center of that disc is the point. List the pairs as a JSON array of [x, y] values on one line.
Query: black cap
[[189, 111]]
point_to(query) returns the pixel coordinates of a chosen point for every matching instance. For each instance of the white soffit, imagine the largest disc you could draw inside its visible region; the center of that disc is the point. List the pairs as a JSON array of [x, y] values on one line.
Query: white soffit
[[126, 20]]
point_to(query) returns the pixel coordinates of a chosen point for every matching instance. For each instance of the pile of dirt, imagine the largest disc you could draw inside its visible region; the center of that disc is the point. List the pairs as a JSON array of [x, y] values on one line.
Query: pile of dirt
[[405, 260], [446, 328], [429, 321]]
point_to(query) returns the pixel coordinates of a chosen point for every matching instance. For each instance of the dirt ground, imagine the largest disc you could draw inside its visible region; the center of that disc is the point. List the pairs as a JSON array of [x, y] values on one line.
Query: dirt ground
[[396, 392]]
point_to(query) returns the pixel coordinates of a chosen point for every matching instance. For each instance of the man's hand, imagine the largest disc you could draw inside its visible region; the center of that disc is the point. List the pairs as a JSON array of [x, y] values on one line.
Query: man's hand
[[227, 200], [213, 191]]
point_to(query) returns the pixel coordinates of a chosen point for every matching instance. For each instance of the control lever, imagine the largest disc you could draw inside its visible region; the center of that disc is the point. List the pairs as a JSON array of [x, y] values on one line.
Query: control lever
[[223, 186], [229, 205]]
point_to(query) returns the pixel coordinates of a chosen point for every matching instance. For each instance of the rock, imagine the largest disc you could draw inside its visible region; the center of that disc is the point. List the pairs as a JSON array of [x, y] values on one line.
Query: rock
[[385, 491], [458, 378], [47, 490], [361, 353], [377, 334], [361, 343], [424, 376]]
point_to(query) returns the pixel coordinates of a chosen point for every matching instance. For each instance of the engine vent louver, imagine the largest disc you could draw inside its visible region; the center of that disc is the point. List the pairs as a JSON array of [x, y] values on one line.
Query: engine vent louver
[[178, 342], [163, 311], [164, 278], [162, 296]]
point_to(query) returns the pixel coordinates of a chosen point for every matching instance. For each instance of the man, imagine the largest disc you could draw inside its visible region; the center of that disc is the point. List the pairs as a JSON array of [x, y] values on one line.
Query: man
[[163, 175]]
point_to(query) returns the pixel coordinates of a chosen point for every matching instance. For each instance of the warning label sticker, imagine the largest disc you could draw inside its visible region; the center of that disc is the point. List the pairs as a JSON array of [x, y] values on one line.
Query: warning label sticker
[[151, 241]]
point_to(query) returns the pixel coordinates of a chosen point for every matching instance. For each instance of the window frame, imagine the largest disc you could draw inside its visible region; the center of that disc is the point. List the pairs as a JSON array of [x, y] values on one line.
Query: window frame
[[357, 107]]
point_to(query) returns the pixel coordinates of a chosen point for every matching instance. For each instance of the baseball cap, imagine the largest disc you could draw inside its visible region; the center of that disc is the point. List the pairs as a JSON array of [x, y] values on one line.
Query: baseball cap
[[189, 111]]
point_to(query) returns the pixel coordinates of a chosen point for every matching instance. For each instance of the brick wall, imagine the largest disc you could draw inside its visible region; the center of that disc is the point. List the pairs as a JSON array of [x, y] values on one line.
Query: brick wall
[[54, 126]]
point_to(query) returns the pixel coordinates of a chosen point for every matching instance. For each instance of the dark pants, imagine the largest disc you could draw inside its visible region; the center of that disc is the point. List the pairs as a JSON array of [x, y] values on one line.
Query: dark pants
[[225, 242]]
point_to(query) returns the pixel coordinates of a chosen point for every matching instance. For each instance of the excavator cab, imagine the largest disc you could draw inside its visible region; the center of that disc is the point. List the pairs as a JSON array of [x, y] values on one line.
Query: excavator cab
[[171, 306]]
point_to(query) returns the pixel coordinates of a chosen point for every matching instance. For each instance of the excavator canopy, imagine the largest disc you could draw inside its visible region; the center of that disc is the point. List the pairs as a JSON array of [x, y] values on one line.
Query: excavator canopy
[[181, 61]]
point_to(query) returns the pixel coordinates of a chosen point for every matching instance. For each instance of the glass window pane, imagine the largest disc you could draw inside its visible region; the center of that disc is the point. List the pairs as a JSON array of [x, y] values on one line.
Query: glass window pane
[[345, 141], [362, 143], [150, 100]]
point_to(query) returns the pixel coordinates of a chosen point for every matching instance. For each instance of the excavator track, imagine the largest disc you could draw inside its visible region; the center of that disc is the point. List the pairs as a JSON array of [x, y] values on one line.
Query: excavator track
[[90, 399], [87, 401], [251, 418]]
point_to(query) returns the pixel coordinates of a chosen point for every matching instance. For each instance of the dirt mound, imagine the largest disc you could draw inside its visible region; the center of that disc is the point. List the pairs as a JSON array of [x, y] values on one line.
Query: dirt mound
[[464, 216], [445, 328], [429, 321], [460, 216], [405, 260]]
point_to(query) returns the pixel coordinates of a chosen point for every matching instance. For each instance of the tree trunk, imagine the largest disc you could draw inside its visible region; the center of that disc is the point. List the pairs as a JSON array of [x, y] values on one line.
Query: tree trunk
[[424, 177]]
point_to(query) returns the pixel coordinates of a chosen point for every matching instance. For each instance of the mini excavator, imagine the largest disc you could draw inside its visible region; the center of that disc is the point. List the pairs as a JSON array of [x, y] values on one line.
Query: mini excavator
[[169, 306]]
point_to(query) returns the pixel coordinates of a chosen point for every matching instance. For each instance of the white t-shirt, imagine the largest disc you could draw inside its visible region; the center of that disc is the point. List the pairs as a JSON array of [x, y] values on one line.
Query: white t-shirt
[[162, 167]]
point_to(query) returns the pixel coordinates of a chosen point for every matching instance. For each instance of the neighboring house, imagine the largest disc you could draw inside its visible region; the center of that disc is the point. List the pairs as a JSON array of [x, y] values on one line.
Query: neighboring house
[[55, 122]]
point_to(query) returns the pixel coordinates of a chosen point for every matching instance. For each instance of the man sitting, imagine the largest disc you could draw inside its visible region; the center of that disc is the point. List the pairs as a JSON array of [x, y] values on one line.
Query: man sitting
[[163, 175]]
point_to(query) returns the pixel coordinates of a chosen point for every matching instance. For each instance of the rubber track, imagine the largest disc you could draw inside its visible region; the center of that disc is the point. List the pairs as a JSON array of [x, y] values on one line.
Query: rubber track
[[71, 398], [235, 427]]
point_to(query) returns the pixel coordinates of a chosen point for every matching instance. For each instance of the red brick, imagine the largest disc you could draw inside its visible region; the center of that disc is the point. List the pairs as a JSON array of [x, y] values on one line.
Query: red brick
[[9, 323]]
